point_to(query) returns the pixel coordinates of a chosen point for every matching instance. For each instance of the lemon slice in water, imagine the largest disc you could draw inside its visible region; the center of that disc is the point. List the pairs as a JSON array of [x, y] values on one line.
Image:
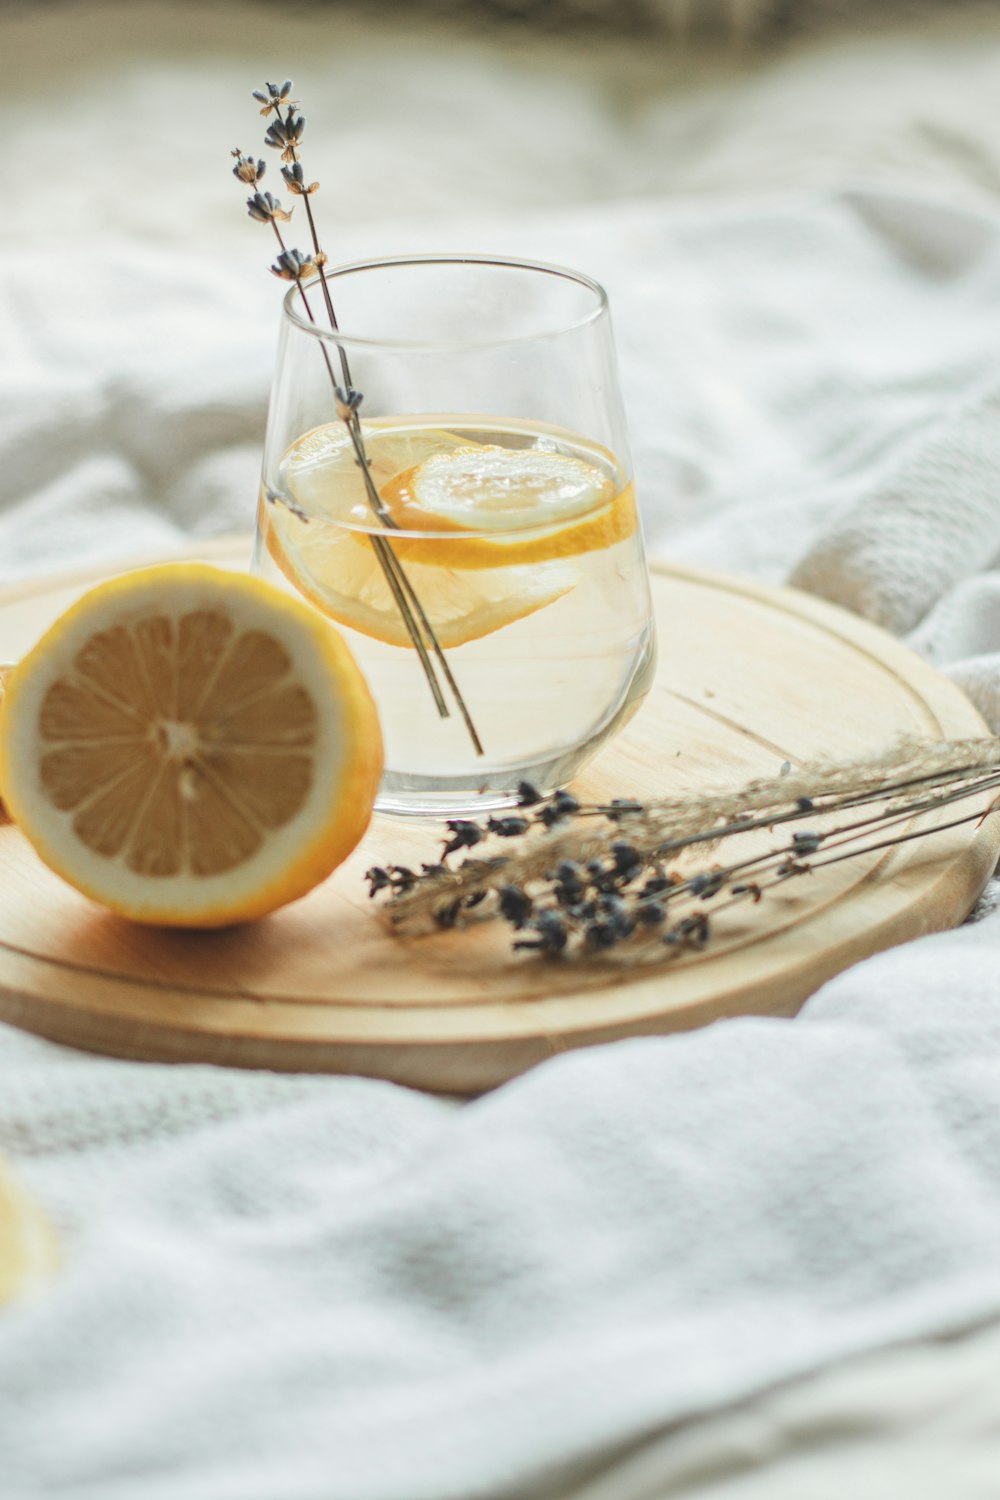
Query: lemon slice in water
[[486, 533]]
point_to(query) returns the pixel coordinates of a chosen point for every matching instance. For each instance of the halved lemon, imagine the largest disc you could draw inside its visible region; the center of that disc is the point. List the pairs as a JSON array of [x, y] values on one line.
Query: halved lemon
[[190, 746], [500, 527], [29, 1251]]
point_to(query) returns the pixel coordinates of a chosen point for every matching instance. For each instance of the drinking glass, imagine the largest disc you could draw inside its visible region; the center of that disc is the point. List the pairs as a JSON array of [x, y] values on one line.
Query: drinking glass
[[489, 573]]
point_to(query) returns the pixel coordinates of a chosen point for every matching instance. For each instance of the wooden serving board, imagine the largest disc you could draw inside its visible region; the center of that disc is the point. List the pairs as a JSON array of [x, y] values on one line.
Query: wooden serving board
[[749, 677]]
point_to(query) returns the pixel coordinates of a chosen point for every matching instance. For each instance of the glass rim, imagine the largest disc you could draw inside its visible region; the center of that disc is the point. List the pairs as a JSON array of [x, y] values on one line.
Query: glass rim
[[339, 336]]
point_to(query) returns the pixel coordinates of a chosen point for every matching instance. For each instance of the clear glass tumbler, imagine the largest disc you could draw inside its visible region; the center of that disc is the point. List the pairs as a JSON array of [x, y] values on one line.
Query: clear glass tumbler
[[489, 572]]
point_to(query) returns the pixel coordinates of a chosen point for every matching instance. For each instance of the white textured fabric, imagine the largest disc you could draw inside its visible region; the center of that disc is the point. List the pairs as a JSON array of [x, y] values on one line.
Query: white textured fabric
[[267, 1277], [335, 1289], [914, 1420]]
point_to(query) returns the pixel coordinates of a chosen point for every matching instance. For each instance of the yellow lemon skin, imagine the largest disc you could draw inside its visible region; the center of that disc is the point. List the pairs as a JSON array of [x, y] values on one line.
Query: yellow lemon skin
[[339, 805], [29, 1251]]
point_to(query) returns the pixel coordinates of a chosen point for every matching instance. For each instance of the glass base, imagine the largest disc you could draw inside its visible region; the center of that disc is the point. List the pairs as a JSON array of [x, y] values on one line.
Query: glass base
[[405, 794], [429, 797]]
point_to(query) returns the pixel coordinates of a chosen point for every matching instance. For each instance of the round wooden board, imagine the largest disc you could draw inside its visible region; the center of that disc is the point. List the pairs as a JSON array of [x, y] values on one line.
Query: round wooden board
[[749, 677]]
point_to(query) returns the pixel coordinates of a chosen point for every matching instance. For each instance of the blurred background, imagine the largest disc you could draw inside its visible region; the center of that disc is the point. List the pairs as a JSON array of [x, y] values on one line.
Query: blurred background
[[124, 110], [137, 318]]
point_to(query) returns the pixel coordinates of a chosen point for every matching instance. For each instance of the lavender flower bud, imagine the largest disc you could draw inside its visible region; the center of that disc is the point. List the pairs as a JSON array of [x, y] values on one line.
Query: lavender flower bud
[[265, 208], [295, 180], [246, 169], [292, 265]]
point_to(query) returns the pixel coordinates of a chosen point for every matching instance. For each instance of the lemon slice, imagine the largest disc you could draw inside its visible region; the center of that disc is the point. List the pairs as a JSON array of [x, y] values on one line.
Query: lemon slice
[[323, 473], [486, 533], [339, 572], [484, 506], [485, 487], [190, 746], [522, 506], [28, 1248]]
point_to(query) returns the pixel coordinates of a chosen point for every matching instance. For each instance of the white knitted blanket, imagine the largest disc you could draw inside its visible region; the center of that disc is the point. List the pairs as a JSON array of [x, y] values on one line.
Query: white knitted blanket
[[336, 1289], [313, 1287]]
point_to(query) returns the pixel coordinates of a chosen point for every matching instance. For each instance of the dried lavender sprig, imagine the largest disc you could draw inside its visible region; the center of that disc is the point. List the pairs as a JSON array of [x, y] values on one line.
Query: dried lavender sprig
[[681, 936], [351, 399], [909, 781], [671, 824], [802, 848], [713, 815], [286, 134], [841, 834], [292, 265], [615, 917]]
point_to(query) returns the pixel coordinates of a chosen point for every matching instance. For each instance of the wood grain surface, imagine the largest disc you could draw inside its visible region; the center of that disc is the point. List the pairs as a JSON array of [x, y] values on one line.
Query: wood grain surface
[[749, 677]]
